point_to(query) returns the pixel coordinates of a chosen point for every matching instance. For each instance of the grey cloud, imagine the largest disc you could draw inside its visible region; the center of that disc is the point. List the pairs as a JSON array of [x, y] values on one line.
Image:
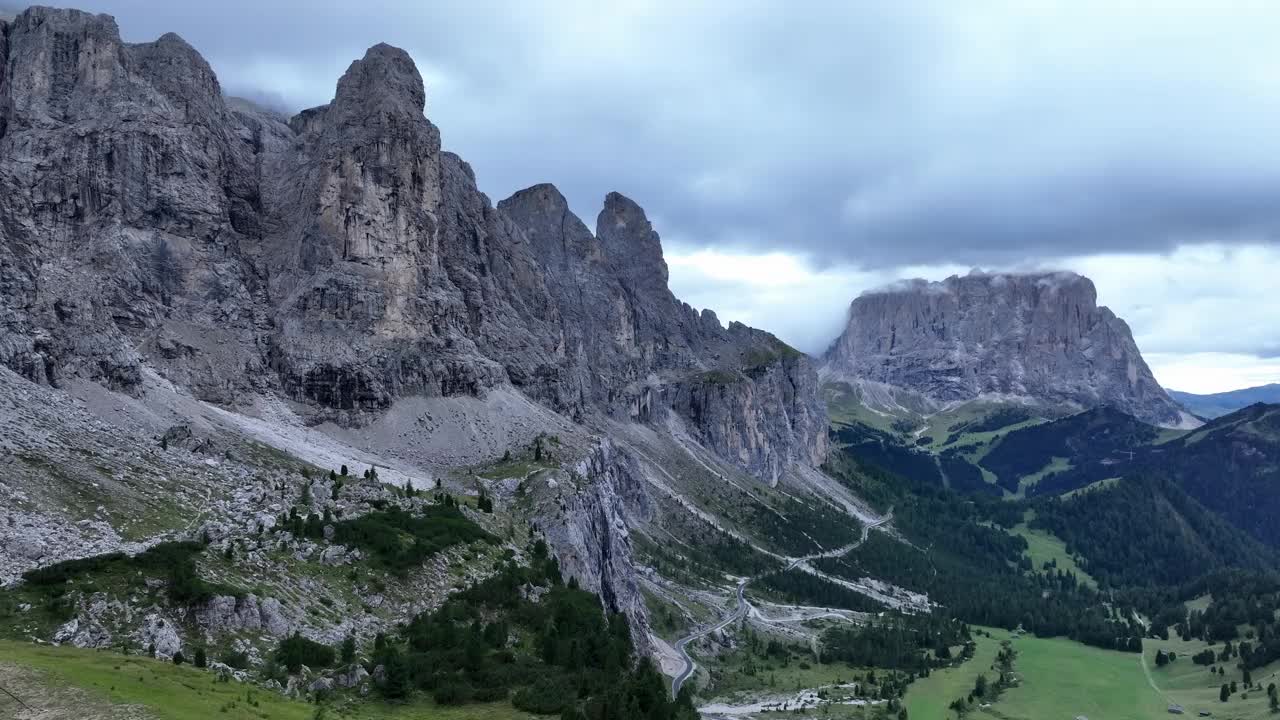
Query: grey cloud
[[868, 133]]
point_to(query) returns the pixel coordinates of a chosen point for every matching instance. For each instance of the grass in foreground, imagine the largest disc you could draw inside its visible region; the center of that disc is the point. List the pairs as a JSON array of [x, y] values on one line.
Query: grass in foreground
[[171, 692], [167, 691]]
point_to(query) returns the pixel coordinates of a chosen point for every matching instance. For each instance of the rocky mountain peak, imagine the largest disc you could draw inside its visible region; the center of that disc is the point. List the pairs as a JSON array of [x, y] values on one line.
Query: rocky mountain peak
[[1038, 336], [69, 60], [181, 74], [558, 237], [385, 80], [342, 260], [540, 209], [631, 241], [542, 195]]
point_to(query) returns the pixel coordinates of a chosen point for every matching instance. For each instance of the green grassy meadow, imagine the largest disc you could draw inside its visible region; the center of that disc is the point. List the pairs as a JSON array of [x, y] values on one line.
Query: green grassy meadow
[[1044, 546], [929, 697], [1195, 688], [1060, 678], [165, 691]]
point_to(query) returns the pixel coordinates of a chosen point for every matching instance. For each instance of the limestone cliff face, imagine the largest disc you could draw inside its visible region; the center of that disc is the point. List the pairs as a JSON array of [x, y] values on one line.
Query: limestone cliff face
[[339, 258], [632, 348], [592, 539], [1041, 337], [124, 196]]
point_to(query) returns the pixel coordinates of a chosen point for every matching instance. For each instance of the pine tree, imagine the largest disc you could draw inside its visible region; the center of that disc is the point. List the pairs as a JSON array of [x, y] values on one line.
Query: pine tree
[[348, 653], [1224, 693], [201, 659], [396, 681]]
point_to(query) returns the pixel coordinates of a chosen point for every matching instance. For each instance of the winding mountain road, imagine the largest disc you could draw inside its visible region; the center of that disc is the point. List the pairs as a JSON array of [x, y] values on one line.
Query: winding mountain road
[[742, 607]]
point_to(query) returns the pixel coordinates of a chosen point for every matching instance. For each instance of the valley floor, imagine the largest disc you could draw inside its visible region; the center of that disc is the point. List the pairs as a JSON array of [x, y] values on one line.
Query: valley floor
[[1062, 678], [1057, 677], [929, 697]]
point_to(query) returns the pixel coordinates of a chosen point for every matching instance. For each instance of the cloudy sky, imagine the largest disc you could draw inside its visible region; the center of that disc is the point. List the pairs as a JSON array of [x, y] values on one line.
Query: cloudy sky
[[794, 154]]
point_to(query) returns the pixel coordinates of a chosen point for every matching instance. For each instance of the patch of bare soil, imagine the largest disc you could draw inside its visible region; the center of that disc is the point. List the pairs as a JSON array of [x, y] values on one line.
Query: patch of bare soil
[[27, 694]]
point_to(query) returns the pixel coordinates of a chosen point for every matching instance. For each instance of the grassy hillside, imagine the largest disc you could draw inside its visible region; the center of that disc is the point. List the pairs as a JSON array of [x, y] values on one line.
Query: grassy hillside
[[1056, 677], [929, 697], [1195, 688], [164, 690], [62, 682], [1065, 454], [1044, 547], [85, 684], [1061, 678], [1232, 466], [1143, 531]]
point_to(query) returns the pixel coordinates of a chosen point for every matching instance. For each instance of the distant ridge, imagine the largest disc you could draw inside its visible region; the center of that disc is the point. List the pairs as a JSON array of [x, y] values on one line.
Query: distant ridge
[[1216, 405]]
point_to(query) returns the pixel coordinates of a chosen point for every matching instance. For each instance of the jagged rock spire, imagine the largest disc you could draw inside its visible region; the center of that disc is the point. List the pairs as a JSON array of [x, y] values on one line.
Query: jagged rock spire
[[385, 80]]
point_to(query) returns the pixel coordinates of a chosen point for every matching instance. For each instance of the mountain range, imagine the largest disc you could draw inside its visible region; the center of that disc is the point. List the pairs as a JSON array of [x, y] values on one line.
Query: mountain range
[[293, 389], [234, 295]]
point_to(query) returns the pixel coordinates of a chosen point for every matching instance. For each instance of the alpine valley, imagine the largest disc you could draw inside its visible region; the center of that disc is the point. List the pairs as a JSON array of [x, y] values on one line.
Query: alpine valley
[[296, 423]]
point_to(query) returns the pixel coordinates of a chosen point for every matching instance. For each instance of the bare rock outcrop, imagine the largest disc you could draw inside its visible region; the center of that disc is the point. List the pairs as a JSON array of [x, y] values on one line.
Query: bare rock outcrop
[[226, 613], [1041, 337], [632, 348], [591, 537]]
